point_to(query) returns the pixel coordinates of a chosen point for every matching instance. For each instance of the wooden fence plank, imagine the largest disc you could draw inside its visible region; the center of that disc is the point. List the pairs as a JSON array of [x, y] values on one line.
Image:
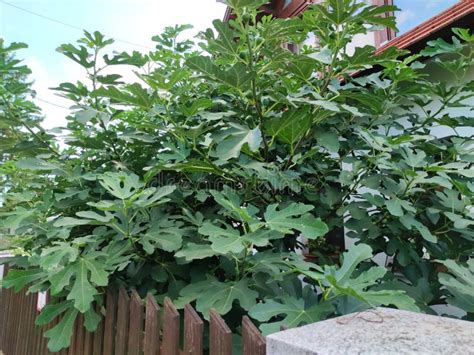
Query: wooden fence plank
[[109, 323], [80, 334], [29, 327], [122, 323], [72, 346], [43, 348], [98, 335], [30, 323], [88, 342], [126, 330], [37, 332], [151, 343], [10, 336], [170, 329], [7, 299], [18, 320], [220, 336], [253, 342], [136, 324], [193, 331], [3, 309]]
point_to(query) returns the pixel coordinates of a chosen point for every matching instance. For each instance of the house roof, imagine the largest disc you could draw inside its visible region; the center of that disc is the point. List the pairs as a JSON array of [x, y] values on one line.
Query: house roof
[[439, 26], [458, 15]]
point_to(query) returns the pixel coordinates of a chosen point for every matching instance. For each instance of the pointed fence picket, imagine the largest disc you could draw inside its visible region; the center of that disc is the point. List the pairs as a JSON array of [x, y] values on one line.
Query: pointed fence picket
[[130, 326]]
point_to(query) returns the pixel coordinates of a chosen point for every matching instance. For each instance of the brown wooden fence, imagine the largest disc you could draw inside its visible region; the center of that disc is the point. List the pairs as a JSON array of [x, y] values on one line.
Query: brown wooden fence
[[131, 326]]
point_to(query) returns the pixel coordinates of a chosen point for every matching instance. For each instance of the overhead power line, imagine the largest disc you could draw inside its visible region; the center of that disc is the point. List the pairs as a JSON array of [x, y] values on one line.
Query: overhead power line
[[68, 24], [51, 103]]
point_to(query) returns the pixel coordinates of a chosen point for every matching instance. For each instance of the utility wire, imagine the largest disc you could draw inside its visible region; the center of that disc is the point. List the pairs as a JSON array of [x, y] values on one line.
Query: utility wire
[[67, 24], [51, 103]]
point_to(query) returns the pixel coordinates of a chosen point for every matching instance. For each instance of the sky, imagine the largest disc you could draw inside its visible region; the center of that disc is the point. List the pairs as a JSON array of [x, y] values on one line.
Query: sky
[[413, 12], [133, 21]]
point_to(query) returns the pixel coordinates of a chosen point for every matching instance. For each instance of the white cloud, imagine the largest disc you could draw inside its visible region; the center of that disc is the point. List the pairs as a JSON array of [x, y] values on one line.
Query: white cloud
[[404, 17]]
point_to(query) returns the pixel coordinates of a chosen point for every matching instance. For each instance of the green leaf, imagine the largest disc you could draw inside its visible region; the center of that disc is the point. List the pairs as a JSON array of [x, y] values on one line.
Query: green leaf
[[351, 259], [82, 292], [133, 94], [19, 278], [60, 335], [153, 196], [51, 311], [53, 256], [459, 221], [341, 281], [222, 295], [228, 239], [121, 185], [194, 166], [71, 222], [413, 159], [18, 217], [61, 279], [174, 151], [293, 311], [329, 140], [193, 251], [235, 76], [79, 55], [397, 298], [111, 79], [225, 41], [409, 221], [196, 106], [98, 274], [233, 139], [440, 46], [91, 215], [36, 164], [229, 199], [291, 127], [286, 220], [459, 281], [164, 234], [394, 207], [86, 115], [323, 55], [91, 320]]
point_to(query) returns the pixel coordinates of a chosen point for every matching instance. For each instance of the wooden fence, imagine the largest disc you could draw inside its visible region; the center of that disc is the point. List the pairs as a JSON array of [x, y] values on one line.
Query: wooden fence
[[131, 326]]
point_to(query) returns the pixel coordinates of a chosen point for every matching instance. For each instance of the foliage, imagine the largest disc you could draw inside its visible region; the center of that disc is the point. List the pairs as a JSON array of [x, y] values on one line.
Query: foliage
[[20, 132], [197, 181], [460, 283]]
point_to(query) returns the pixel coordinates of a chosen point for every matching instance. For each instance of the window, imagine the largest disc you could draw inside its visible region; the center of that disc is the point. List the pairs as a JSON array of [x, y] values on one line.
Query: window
[[286, 4], [414, 12]]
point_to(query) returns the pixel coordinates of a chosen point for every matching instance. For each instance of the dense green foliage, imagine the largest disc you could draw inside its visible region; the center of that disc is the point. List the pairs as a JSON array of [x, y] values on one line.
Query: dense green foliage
[[197, 181], [20, 131]]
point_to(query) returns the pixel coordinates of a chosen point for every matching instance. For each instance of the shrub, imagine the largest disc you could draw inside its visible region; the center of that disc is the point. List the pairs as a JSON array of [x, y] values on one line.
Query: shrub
[[196, 182]]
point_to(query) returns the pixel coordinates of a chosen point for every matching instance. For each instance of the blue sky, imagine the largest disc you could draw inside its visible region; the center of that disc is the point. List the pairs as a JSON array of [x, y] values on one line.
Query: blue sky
[[413, 12], [130, 20]]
